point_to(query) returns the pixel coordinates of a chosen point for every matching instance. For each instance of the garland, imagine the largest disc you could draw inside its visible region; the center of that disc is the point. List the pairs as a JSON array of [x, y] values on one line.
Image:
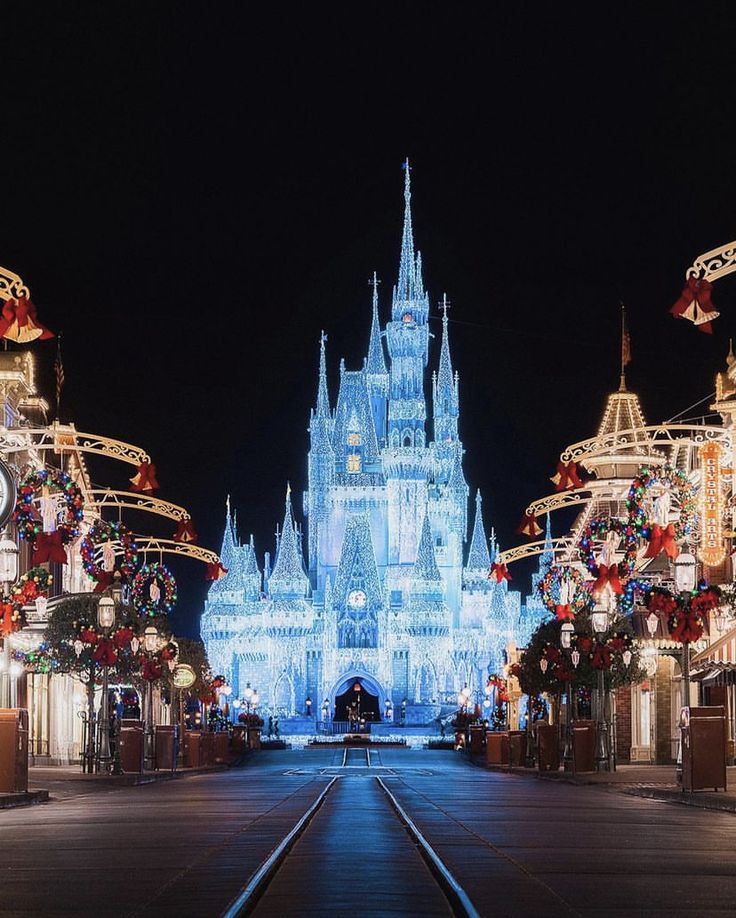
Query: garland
[[576, 595], [154, 590], [40, 660], [28, 519], [102, 533], [29, 586], [686, 612]]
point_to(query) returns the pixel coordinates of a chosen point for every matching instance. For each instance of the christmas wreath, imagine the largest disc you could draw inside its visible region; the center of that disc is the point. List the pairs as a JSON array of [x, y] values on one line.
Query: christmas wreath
[[661, 536], [563, 592], [154, 590], [28, 519], [608, 574], [107, 548], [686, 612], [29, 586]]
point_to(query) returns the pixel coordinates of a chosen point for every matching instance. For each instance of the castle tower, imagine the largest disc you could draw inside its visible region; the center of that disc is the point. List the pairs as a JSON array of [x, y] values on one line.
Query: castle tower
[[377, 378], [320, 466], [446, 405]]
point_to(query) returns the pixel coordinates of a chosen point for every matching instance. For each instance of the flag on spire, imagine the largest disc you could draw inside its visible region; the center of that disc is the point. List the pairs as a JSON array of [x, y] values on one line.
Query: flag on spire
[[625, 348], [59, 373]]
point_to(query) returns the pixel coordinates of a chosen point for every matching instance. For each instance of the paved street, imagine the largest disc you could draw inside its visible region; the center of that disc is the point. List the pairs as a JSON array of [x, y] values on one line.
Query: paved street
[[518, 845]]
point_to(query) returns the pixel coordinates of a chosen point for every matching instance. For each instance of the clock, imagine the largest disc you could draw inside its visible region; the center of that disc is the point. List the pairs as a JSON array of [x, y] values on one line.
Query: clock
[[356, 599]]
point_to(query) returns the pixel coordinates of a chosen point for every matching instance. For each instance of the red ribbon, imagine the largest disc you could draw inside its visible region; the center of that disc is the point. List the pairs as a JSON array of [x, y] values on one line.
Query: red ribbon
[[105, 653], [607, 575], [601, 657], [563, 673], [19, 322], [529, 526], [687, 628], [552, 653], [185, 532], [151, 670], [88, 636], [145, 478], [585, 644], [123, 637], [215, 571], [617, 643], [499, 572], [8, 623], [564, 613], [567, 476], [48, 547], [662, 540], [105, 579], [696, 293]]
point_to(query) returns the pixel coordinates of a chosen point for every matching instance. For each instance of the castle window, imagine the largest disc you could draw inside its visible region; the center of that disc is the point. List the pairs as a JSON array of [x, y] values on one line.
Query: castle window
[[354, 463], [407, 317], [353, 439]]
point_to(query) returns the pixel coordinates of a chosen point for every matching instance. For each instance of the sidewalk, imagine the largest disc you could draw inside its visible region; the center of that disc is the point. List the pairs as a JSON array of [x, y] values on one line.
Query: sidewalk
[[47, 783], [656, 782]]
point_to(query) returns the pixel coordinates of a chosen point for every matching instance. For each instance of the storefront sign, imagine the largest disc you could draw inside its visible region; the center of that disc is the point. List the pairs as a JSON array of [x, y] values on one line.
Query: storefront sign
[[184, 676], [711, 505]]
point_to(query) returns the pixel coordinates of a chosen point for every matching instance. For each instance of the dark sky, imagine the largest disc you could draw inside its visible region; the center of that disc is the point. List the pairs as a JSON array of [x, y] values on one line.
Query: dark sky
[[193, 191]]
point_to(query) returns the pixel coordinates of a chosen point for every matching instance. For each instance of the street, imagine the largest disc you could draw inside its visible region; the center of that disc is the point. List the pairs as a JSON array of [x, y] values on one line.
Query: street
[[517, 845]]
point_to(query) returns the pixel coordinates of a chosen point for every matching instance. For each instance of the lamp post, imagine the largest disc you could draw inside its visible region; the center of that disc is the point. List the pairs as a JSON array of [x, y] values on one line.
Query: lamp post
[[151, 643], [247, 696], [8, 575], [599, 619], [105, 619], [685, 577], [566, 632]]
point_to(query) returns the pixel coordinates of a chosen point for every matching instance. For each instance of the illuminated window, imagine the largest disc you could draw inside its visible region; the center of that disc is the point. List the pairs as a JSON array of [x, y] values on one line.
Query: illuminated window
[[407, 317], [353, 463], [353, 439]]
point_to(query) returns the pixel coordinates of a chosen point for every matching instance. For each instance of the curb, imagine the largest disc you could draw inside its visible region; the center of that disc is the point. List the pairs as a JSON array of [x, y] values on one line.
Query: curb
[[27, 798]]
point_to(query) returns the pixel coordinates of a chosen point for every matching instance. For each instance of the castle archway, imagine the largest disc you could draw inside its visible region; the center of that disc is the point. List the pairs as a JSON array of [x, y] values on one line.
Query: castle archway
[[357, 692]]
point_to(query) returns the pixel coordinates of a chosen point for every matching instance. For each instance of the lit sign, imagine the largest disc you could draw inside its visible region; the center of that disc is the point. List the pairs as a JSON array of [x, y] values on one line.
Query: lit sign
[[711, 509], [184, 676]]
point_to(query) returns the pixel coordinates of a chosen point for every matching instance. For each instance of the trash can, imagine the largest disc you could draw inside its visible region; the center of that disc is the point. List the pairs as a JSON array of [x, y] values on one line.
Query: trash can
[[476, 739], [583, 745], [548, 747], [517, 748], [207, 749], [131, 746], [192, 748], [221, 747], [240, 743], [497, 748], [254, 738], [13, 750], [704, 748], [165, 738]]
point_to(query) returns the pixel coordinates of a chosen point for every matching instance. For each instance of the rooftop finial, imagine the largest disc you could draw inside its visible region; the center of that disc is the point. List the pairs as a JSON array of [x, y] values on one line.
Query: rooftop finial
[[407, 267], [625, 349], [323, 397], [375, 363]]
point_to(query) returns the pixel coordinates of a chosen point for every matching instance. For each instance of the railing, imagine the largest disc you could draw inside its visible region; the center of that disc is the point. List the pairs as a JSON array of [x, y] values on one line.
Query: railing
[[339, 727]]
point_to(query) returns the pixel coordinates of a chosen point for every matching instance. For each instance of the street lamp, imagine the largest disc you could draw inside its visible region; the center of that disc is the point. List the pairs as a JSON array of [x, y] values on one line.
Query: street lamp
[[600, 619], [566, 632], [247, 696], [151, 643], [105, 619], [685, 576], [8, 575]]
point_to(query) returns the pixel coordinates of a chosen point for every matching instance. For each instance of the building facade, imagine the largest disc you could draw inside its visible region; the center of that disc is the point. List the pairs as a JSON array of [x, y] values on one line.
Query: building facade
[[383, 586]]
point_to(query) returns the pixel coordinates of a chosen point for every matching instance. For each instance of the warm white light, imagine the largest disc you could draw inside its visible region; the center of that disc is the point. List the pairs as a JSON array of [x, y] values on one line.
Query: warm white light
[[150, 639], [16, 669], [106, 612], [566, 633], [134, 645], [543, 664], [685, 571], [721, 618], [78, 647], [248, 692], [41, 603], [8, 559], [575, 657], [652, 623], [599, 620], [626, 656]]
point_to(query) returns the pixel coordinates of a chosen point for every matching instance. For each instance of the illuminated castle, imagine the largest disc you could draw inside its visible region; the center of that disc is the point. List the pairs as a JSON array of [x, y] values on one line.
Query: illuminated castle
[[392, 596]]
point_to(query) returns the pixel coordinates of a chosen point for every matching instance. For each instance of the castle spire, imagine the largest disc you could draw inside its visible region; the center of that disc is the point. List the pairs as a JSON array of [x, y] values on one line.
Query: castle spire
[[288, 579], [479, 558], [405, 285], [625, 350], [227, 552], [375, 364], [548, 556], [425, 566], [323, 398]]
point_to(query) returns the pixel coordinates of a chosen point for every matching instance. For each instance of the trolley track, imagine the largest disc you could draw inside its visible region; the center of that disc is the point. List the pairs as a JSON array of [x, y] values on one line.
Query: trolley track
[[350, 808]]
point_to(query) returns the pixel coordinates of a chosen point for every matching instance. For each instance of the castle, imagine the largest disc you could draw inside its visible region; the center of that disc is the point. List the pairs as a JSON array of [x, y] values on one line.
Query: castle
[[393, 600]]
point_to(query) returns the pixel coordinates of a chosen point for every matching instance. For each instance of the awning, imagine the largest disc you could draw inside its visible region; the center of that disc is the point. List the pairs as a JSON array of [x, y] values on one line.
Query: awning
[[722, 650]]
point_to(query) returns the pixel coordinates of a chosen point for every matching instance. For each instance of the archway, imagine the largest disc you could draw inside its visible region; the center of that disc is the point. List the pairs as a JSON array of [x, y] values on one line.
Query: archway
[[357, 701]]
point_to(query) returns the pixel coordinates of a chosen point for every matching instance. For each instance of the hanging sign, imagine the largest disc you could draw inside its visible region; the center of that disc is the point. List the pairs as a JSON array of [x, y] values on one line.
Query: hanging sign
[[184, 676], [711, 509]]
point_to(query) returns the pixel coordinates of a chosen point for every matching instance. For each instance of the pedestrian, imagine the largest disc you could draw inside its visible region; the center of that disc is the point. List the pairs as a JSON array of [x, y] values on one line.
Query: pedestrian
[[270, 725], [276, 728]]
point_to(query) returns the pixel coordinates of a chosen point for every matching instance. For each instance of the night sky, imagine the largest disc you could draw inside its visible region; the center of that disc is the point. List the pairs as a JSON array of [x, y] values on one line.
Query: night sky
[[193, 192]]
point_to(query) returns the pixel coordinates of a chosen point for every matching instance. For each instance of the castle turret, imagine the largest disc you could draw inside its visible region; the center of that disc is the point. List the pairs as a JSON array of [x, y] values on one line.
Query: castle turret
[[446, 405], [320, 465], [376, 374], [288, 580]]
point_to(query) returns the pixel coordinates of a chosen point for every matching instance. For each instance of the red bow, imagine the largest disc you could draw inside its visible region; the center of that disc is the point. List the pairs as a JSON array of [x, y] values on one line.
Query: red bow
[[529, 526], [617, 643], [687, 628], [585, 644], [215, 571], [662, 540], [552, 653], [567, 476], [151, 670], [185, 532], [9, 619], [564, 613], [499, 572], [695, 305], [48, 547], [601, 657], [19, 322], [607, 575], [123, 637], [88, 635], [105, 653], [563, 673], [105, 579], [660, 601], [145, 478]]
